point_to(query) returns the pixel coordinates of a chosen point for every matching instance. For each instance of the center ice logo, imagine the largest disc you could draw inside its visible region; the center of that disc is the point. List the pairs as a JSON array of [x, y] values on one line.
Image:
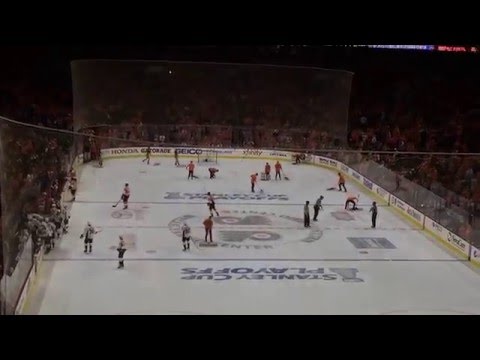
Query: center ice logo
[[249, 229]]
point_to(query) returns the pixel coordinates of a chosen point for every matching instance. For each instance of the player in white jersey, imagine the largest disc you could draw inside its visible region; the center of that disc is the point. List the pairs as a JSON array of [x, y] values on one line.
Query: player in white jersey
[[88, 233], [186, 237], [125, 196], [211, 204], [57, 219], [52, 233], [73, 187], [65, 219]]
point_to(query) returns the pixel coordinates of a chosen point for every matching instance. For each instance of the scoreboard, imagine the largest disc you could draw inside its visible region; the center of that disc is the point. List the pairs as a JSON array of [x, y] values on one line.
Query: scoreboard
[[440, 48]]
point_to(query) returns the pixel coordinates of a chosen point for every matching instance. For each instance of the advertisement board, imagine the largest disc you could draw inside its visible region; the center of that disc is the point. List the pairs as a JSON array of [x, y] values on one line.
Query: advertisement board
[[449, 237], [475, 255]]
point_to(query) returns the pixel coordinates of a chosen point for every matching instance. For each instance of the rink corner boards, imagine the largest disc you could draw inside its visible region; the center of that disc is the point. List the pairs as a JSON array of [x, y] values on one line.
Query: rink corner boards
[[446, 238]]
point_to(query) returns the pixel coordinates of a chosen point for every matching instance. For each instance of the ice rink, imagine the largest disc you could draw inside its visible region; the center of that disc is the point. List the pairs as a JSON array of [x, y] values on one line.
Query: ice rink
[[266, 262]]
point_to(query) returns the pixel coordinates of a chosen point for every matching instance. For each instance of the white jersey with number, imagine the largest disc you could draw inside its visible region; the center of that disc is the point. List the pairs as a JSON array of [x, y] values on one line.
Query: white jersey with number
[[88, 232]]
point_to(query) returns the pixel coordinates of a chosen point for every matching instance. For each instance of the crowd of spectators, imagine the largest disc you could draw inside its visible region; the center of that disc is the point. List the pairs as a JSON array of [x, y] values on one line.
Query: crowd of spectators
[[424, 110], [399, 103], [210, 94], [34, 164], [406, 110]]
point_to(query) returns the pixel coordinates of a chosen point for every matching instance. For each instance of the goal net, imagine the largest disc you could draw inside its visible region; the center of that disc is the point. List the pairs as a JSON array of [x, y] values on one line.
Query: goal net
[[208, 156], [301, 157]]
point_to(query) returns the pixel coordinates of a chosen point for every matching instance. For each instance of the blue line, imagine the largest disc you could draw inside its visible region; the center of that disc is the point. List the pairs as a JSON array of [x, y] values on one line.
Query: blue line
[[203, 202]]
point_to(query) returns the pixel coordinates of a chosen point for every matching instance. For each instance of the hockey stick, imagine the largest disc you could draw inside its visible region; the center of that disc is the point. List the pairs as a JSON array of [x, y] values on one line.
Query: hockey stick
[[118, 202], [285, 176]]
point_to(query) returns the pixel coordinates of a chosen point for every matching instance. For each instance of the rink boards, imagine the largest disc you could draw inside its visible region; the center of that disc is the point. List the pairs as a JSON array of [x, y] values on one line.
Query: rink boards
[[266, 262]]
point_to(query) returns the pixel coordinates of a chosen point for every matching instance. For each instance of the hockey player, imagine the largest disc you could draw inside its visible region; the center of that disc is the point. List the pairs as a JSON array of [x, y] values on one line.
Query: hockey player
[[46, 234], [253, 181], [341, 183], [267, 171], [351, 200], [306, 215], [212, 172], [373, 210], [208, 224], [298, 158], [121, 251], [317, 207], [88, 233], [100, 160], [65, 219], [278, 169], [73, 187], [42, 234], [52, 233], [57, 218], [211, 204], [177, 163], [125, 196], [147, 155], [186, 236], [191, 168]]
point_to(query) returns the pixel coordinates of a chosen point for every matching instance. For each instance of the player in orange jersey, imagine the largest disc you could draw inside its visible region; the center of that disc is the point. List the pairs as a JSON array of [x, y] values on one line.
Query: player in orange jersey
[[191, 168], [353, 200], [267, 171], [278, 169], [341, 183], [208, 224], [253, 181]]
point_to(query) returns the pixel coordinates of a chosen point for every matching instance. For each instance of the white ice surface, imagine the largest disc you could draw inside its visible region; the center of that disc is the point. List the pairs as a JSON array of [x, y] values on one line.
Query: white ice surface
[[416, 277]]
